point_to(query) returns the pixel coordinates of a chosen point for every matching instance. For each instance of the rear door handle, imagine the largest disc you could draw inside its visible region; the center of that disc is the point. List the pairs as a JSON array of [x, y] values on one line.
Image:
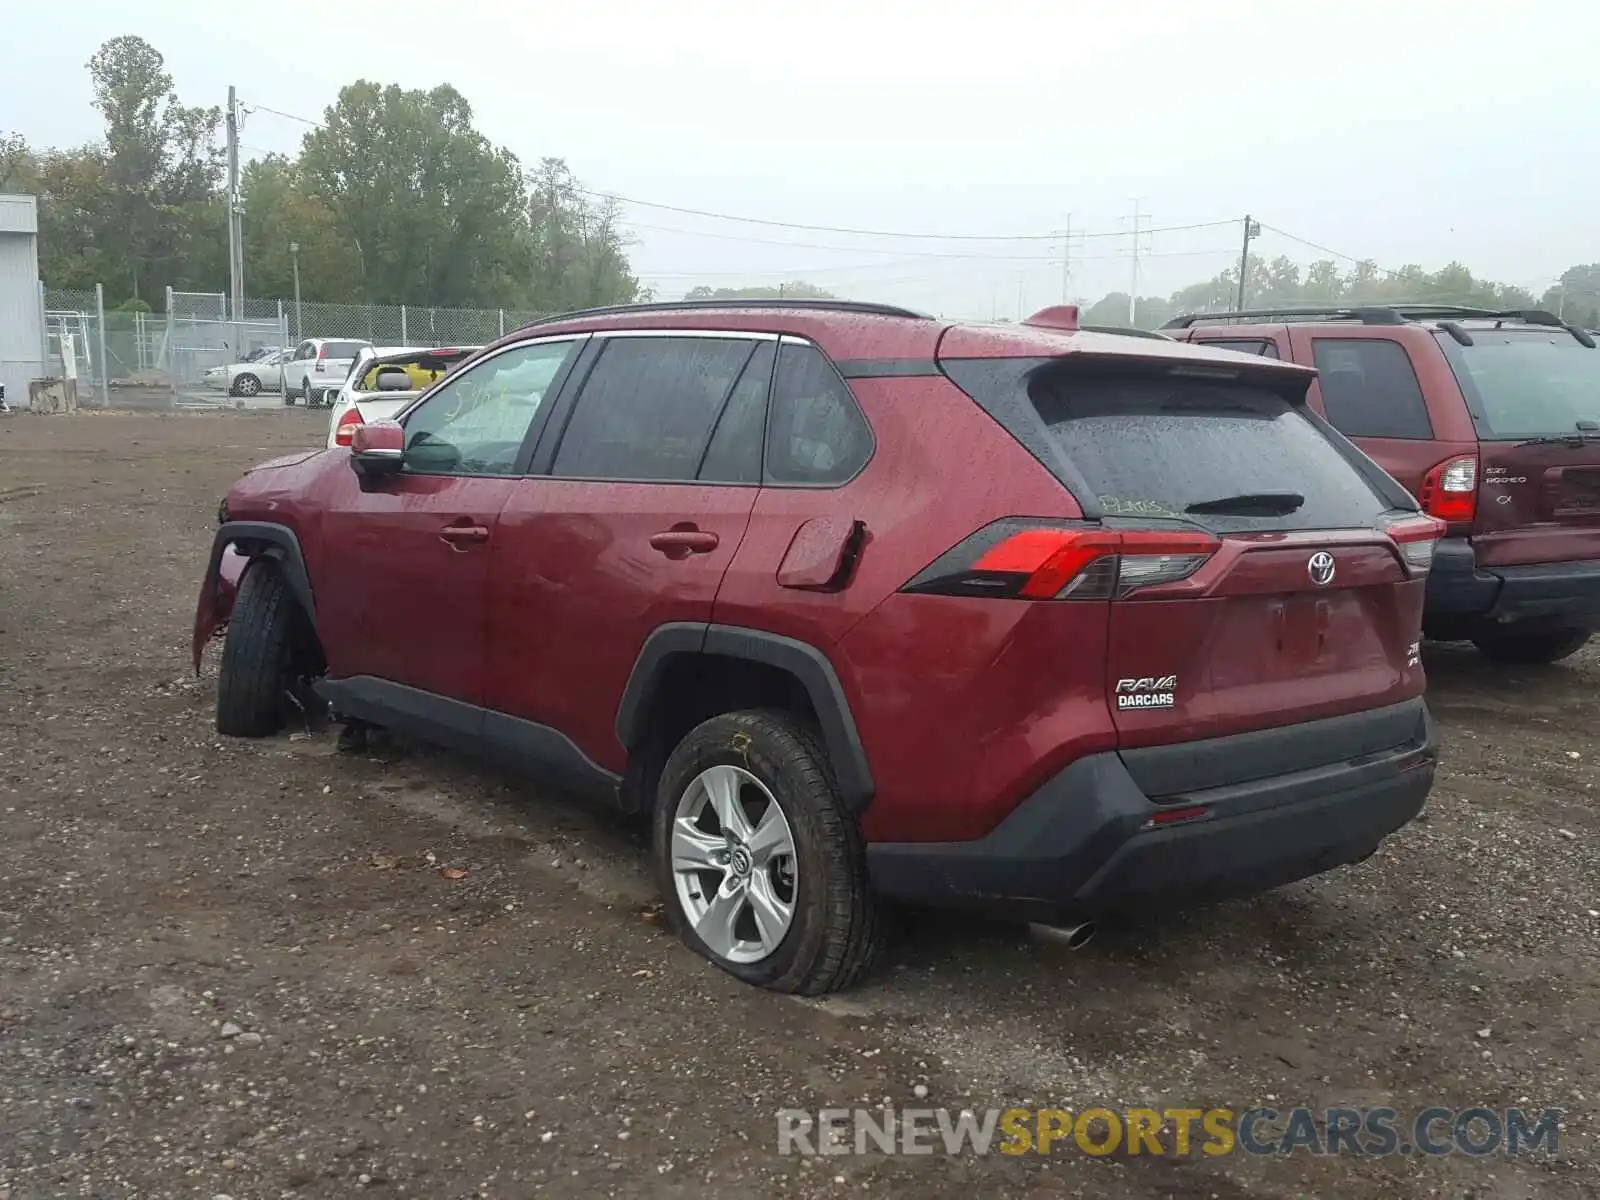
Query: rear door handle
[[680, 543], [460, 535]]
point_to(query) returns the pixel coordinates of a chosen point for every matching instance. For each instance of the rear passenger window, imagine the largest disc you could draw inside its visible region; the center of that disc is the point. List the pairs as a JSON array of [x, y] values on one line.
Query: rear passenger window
[[734, 455], [1259, 346], [648, 406], [1369, 388], [816, 435]]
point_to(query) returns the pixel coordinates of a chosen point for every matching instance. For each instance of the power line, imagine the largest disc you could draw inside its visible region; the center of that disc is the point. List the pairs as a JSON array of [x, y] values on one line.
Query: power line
[[969, 255], [1327, 249], [287, 116], [1053, 236]]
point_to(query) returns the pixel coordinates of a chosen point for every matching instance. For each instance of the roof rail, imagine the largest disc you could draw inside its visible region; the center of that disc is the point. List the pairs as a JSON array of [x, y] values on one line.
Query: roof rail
[[1367, 315], [805, 305], [1389, 314]]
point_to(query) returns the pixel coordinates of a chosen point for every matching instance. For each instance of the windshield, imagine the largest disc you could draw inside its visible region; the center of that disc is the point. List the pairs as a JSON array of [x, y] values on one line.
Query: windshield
[[1522, 384]]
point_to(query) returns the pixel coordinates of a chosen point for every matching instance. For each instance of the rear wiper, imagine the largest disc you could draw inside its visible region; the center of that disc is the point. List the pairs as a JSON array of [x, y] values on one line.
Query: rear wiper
[[1586, 431], [1250, 504]]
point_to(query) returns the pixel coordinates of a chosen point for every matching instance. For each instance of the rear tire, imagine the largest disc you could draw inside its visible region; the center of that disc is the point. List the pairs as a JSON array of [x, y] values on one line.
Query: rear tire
[[835, 929], [246, 385], [1543, 646], [258, 655]]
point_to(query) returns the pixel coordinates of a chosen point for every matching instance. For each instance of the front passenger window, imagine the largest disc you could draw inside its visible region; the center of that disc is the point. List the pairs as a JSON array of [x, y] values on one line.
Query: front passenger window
[[475, 422]]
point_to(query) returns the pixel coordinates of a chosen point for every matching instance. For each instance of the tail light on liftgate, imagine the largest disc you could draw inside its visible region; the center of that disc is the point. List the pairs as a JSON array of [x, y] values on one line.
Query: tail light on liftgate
[[1039, 560], [1416, 537], [1450, 490], [345, 430], [322, 353]]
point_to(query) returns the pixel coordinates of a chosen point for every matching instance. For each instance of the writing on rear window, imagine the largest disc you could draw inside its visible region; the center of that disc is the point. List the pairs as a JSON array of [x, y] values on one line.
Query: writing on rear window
[[1133, 506]]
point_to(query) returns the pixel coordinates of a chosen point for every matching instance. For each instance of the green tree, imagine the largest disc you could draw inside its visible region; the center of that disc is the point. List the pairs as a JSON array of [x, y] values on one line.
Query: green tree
[[1577, 296], [577, 247], [162, 167], [279, 210], [435, 214], [799, 289]]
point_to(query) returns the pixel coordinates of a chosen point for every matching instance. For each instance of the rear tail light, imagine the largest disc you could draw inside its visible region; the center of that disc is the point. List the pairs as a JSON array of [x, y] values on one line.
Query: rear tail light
[[1416, 538], [322, 353], [1035, 560], [1450, 490], [346, 428]]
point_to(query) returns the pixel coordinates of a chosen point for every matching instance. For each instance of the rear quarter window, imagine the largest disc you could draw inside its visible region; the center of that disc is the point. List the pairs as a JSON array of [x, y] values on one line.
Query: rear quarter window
[[1150, 447], [1370, 389]]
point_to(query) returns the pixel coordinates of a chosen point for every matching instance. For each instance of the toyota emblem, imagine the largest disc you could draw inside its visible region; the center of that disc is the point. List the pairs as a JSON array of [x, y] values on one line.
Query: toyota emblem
[[1320, 568]]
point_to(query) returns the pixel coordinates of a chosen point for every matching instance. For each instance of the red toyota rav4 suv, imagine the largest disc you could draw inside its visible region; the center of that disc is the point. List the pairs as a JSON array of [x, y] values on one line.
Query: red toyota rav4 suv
[[861, 604], [1492, 419]]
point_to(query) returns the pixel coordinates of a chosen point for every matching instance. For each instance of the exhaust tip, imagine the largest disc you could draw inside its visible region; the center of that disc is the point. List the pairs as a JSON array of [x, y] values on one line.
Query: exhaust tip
[[1073, 937]]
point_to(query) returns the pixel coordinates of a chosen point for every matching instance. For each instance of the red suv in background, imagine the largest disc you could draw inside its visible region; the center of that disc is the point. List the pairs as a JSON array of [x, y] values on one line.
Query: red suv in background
[[1492, 419], [863, 604]]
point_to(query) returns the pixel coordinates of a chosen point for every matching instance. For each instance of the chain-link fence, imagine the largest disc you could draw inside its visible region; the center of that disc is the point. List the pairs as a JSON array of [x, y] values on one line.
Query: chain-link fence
[[174, 356]]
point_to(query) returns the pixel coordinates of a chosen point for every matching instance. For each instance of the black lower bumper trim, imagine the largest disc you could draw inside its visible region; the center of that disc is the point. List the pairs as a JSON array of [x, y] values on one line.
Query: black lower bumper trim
[[1458, 587], [1083, 844]]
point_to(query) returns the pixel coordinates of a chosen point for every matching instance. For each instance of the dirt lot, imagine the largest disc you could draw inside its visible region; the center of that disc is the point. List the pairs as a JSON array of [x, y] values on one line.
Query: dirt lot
[[521, 1028]]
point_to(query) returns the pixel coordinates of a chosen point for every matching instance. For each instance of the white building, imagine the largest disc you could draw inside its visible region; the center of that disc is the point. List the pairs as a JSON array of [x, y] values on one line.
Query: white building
[[21, 304]]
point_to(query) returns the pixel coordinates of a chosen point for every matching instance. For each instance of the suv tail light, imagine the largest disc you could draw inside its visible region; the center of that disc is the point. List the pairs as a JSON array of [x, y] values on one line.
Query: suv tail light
[[322, 353], [346, 428], [1416, 538], [1450, 490], [1029, 560]]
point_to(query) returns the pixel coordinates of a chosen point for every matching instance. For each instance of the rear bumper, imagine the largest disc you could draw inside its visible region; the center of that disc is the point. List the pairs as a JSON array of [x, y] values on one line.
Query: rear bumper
[[1281, 804], [1458, 587]]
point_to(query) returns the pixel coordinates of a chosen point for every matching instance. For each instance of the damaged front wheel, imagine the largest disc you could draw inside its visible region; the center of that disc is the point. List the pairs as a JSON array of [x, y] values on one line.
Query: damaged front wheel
[[263, 656]]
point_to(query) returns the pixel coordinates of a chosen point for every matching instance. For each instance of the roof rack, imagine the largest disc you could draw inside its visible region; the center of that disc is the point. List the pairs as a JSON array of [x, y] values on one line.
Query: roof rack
[[1393, 314], [804, 305], [1374, 314]]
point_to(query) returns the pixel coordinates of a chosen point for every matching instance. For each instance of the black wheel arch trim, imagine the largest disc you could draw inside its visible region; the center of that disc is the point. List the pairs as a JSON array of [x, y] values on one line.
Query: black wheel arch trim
[[809, 665], [266, 539]]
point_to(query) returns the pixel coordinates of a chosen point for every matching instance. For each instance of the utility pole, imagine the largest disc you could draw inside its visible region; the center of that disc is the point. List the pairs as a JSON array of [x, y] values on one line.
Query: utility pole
[[235, 231], [1251, 229], [1066, 264], [1133, 286], [294, 257]]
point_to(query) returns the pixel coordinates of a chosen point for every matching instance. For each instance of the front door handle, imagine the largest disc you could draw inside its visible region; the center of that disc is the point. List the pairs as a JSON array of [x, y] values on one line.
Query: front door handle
[[464, 535], [680, 543]]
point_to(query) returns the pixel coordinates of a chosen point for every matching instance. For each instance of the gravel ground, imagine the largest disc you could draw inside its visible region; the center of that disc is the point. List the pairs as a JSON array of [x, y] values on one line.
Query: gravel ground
[[263, 969]]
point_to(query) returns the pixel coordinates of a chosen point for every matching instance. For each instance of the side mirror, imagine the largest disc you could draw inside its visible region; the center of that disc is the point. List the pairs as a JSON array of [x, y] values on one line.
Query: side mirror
[[377, 449], [393, 379]]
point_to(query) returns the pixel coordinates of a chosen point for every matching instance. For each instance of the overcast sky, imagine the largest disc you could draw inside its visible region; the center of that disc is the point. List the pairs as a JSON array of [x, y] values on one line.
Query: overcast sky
[[1418, 132]]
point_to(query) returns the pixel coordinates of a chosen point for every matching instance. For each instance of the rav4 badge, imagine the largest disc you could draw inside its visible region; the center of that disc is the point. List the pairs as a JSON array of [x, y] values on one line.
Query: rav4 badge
[[1158, 691]]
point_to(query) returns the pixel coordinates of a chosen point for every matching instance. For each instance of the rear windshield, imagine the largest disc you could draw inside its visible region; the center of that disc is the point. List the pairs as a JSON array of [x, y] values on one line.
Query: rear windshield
[[423, 369], [341, 349], [1524, 383], [1150, 447]]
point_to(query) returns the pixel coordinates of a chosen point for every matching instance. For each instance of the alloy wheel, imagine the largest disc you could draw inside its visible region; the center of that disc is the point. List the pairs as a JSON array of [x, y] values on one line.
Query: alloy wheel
[[733, 864]]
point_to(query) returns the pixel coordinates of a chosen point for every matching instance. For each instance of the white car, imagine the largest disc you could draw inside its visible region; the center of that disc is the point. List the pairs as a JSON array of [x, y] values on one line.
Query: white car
[[317, 367], [405, 373], [259, 373]]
